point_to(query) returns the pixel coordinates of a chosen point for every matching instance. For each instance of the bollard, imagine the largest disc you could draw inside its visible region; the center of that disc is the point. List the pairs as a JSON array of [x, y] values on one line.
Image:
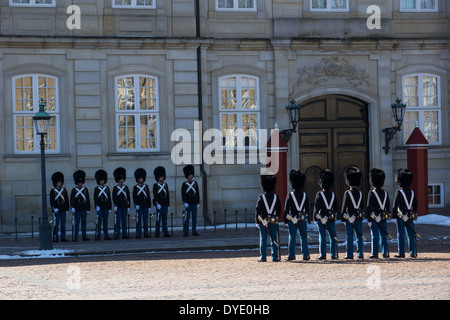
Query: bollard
[[32, 227], [15, 227], [236, 218], [215, 224], [225, 218], [245, 218]]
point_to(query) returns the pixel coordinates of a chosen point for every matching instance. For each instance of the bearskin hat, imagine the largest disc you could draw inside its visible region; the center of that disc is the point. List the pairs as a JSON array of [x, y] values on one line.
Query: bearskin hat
[[120, 173], [101, 175], [404, 178], [159, 172], [188, 170], [79, 176], [57, 176], [353, 176], [326, 179], [377, 177], [268, 182], [297, 179], [140, 173]]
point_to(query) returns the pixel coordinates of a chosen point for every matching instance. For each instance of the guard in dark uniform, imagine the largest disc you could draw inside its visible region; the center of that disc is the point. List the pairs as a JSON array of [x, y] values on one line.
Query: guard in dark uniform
[[325, 213], [190, 195], [80, 203], [103, 204], [121, 200], [267, 213], [59, 201], [142, 202], [378, 213], [352, 212], [161, 200], [405, 211], [296, 214]]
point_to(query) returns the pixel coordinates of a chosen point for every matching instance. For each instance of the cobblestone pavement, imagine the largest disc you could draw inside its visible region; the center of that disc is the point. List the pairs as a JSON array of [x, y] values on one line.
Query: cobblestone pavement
[[231, 274]]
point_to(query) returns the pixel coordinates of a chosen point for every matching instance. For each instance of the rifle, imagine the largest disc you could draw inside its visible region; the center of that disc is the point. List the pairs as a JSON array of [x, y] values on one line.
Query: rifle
[[298, 227], [54, 226], [97, 233], [267, 230], [346, 216], [379, 225]]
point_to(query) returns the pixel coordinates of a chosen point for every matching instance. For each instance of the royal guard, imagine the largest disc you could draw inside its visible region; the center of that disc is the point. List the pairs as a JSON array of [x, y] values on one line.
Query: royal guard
[[103, 204], [121, 200], [325, 213], [296, 214], [352, 212], [378, 213], [161, 200], [80, 203], [59, 201], [142, 202], [267, 213], [191, 199], [405, 211]]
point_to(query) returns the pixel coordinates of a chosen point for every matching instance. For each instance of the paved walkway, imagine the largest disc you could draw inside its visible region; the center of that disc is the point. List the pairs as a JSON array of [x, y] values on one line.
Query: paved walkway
[[209, 239]]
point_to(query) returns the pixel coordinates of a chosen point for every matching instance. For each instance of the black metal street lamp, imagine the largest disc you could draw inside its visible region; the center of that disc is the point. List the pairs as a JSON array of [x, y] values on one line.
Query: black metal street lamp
[[293, 111], [41, 124], [398, 110]]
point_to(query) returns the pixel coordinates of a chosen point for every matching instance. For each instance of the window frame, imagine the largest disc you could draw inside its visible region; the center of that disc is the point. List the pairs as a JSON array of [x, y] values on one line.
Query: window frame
[[442, 195], [36, 100], [418, 9], [328, 8], [236, 7], [133, 5], [240, 111], [33, 4], [137, 113], [421, 109]]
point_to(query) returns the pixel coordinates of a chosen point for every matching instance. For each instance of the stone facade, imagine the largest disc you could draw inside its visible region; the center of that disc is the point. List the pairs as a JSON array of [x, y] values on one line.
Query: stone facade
[[284, 44]]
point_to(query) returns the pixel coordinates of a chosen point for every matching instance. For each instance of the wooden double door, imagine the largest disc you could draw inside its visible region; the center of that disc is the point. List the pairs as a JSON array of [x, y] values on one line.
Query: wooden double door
[[333, 134]]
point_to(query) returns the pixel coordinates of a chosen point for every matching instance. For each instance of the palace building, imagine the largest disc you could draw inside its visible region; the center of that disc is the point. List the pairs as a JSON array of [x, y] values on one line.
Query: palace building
[[133, 71]]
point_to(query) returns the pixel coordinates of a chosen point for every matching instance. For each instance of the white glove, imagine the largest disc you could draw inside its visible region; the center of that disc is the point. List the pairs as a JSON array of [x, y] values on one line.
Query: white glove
[[138, 207], [369, 223], [186, 205], [73, 210], [115, 208], [56, 210], [405, 218], [198, 206], [158, 206], [294, 220], [351, 219], [265, 223], [378, 219], [324, 220], [87, 212], [98, 208]]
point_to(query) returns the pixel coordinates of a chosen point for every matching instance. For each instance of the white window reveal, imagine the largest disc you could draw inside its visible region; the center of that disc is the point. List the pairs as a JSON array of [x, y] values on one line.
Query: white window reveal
[[134, 4], [419, 5], [236, 5], [32, 3], [330, 5]]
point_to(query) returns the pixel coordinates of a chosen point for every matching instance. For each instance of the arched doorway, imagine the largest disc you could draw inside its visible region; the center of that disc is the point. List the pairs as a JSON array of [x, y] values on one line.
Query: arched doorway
[[333, 134]]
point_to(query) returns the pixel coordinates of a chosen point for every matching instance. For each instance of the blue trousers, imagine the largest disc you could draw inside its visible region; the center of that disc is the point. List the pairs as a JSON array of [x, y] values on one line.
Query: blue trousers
[[377, 233], [263, 241], [142, 219], [162, 218], [102, 219], [359, 242], [323, 238], [293, 239], [401, 226], [60, 219], [80, 216], [121, 221], [191, 209]]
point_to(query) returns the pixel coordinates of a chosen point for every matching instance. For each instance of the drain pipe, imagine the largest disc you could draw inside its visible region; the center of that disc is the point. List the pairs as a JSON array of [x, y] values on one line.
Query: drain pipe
[[200, 111]]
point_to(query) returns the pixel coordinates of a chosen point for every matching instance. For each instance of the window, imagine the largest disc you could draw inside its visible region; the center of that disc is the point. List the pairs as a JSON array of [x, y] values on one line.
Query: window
[[419, 5], [137, 113], [134, 4], [238, 5], [421, 94], [27, 92], [239, 110], [436, 195], [330, 5], [32, 3]]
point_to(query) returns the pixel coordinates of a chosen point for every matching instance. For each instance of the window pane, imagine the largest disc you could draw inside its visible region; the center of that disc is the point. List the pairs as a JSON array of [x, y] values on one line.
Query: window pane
[[147, 93], [338, 4], [148, 131], [246, 4], [411, 121], [126, 132], [430, 91], [228, 93], [408, 4], [229, 129], [411, 91], [427, 4], [250, 129], [431, 126], [319, 4], [125, 93]]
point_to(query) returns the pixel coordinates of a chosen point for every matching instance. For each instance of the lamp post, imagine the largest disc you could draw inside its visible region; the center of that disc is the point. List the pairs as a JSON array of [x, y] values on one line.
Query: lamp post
[[41, 124], [398, 109], [293, 111]]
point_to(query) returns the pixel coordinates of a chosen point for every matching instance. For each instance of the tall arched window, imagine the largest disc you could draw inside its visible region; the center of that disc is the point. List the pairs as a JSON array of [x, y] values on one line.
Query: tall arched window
[[137, 113], [422, 96], [27, 92], [239, 110]]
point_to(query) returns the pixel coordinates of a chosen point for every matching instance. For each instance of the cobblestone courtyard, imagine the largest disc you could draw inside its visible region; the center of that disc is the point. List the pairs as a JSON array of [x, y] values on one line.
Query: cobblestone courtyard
[[226, 275]]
